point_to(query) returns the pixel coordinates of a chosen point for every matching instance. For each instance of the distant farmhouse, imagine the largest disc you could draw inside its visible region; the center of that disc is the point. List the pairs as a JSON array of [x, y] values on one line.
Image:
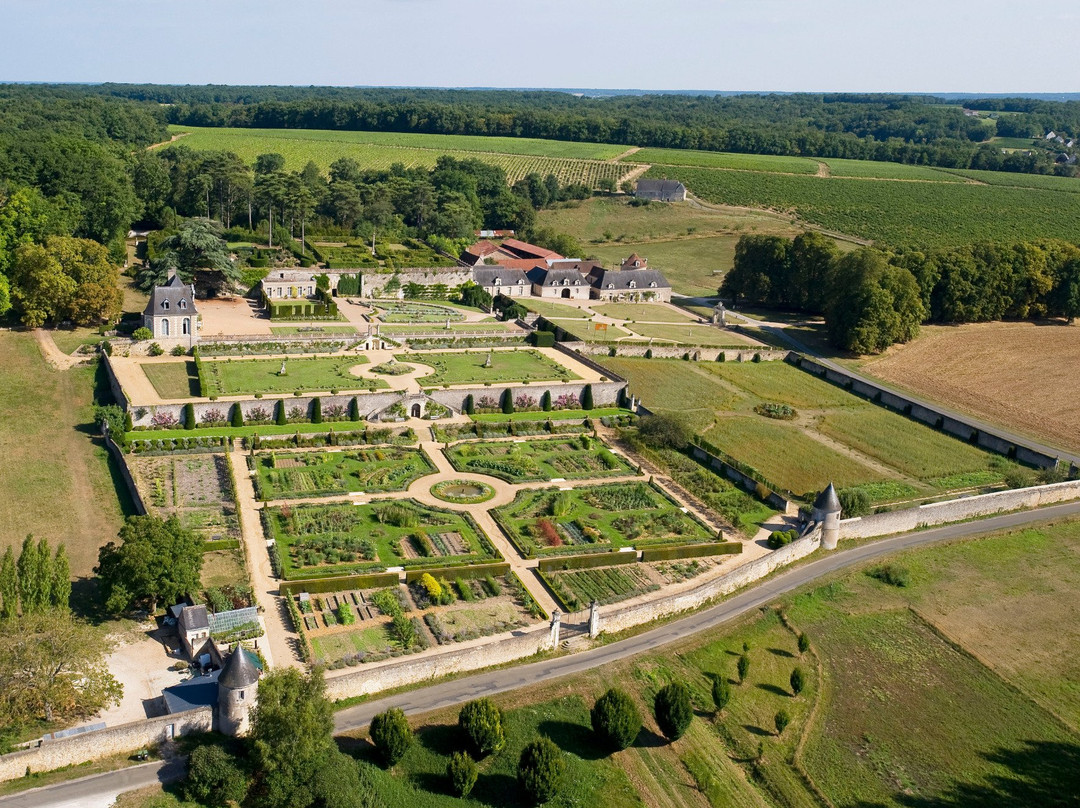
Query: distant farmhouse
[[170, 313], [660, 190]]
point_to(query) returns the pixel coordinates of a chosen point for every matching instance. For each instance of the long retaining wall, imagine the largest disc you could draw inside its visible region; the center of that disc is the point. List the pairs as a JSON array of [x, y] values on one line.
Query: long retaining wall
[[125, 472], [102, 743], [736, 353], [956, 510], [927, 414], [755, 487]]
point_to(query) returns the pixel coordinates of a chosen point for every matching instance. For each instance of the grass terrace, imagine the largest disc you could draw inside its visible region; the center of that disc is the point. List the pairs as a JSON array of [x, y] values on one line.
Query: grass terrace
[[315, 541], [693, 334], [554, 310], [591, 331], [551, 415], [581, 457], [308, 374], [506, 367], [311, 330], [596, 518], [643, 312], [174, 380], [287, 475]]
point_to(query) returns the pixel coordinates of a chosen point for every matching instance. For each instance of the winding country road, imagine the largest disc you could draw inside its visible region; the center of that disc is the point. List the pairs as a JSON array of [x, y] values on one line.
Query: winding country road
[[448, 694]]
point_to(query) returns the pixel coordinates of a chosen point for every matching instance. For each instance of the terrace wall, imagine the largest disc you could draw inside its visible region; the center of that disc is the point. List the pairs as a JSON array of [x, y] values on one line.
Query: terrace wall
[[605, 394], [372, 284], [101, 743], [740, 354], [751, 485], [369, 404], [125, 472], [928, 414], [114, 384], [956, 510]]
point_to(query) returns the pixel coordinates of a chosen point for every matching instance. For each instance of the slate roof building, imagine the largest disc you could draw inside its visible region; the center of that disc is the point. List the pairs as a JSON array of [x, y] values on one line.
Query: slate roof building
[[661, 190], [631, 285], [502, 281], [566, 283], [170, 313], [232, 690]]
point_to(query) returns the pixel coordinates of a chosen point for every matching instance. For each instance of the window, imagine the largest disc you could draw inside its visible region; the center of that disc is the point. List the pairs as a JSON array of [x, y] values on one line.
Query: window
[[165, 305], [498, 281], [241, 695], [185, 326], [183, 303], [633, 284], [165, 328]]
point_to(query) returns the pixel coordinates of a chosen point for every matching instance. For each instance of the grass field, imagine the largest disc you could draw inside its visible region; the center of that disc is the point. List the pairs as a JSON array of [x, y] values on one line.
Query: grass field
[[314, 374], [643, 312], [692, 334], [922, 213], [961, 367], [780, 382], [554, 309], [709, 159], [570, 162], [506, 366], [174, 379], [57, 481], [592, 332]]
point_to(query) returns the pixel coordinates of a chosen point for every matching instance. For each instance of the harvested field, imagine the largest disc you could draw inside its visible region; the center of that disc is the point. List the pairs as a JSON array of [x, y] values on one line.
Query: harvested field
[[1020, 375]]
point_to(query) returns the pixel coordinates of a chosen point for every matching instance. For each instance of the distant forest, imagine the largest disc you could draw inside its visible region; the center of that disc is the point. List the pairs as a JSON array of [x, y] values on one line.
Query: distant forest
[[913, 129]]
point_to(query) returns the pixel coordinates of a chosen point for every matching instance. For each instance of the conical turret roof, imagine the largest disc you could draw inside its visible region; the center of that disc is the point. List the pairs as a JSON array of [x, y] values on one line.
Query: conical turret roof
[[239, 671], [827, 500]]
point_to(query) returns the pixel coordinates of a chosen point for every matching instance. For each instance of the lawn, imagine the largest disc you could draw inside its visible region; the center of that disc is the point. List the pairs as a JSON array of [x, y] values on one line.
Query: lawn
[[308, 374], [314, 474], [58, 482], [914, 449], [530, 460], [554, 415], [555, 310], [590, 331], [223, 568], [320, 540], [693, 265], [596, 518], [435, 329], [173, 380], [785, 455], [643, 312], [780, 382], [692, 334], [470, 367]]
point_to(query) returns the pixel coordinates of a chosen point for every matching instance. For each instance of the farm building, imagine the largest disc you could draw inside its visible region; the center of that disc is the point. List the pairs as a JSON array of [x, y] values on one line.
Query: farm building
[[502, 281], [566, 283], [510, 250], [661, 190], [170, 312], [629, 285], [288, 284]]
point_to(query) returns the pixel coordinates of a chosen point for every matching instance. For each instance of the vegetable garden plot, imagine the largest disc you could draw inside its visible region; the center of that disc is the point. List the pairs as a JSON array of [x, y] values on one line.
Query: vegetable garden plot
[[577, 458], [196, 488], [282, 476]]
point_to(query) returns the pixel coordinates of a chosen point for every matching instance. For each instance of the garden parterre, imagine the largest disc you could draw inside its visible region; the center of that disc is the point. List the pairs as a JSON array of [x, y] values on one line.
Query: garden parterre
[[471, 367], [581, 457], [311, 474], [310, 373]]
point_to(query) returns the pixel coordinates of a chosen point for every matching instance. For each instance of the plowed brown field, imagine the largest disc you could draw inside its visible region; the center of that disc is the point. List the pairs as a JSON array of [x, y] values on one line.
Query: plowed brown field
[[1023, 376]]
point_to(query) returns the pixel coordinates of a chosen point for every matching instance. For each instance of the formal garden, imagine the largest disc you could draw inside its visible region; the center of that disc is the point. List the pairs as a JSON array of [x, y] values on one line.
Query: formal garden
[[284, 475], [581, 457], [412, 312], [196, 488], [232, 377], [494, 366], [552, 521], [575, 589], [314, 541], [346, 628]]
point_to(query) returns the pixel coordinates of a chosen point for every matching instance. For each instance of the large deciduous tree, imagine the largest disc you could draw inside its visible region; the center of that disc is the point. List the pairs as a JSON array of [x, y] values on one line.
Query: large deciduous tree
[[155, 561], [65, 279]]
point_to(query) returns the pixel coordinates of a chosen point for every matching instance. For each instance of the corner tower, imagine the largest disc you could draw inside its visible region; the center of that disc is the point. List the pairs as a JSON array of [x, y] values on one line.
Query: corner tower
[[238, 686], [826, 512]]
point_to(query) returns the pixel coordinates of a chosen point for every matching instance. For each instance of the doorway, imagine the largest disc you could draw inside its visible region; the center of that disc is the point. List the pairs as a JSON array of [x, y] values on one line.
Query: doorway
[[415, 410], [566, 293]]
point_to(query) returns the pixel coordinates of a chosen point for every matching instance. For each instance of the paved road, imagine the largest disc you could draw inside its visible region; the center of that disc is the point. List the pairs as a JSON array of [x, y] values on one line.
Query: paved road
[[98, 790], [458, 691], [90, 791]]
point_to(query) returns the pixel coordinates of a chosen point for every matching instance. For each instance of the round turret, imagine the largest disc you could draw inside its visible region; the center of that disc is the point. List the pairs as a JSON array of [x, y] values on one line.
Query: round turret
[[826, 512], [238, 686]]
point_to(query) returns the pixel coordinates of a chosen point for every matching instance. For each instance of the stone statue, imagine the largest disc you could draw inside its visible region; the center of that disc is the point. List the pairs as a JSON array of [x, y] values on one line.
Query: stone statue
[[487, 363], [282, 372]]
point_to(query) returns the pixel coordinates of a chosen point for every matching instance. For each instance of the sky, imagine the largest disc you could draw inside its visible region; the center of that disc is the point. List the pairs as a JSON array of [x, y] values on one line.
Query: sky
[[982, 46]]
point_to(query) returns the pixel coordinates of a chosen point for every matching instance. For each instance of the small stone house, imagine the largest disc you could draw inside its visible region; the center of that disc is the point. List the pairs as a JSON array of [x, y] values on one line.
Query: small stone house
[[170, 313], [631, 285], [660, 190], [502, 281], [289, 284]]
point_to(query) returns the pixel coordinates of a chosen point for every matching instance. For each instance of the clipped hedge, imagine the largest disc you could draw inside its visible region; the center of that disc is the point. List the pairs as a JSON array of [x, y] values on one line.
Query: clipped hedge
[[341, 583], [465, 573], [692, 551], [581, 562]]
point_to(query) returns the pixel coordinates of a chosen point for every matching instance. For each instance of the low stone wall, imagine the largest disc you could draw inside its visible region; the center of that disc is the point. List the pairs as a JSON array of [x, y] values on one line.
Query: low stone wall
[[731, 354], [621, 619], [104, 742], [368, 403], [605, 394], [956, 510], [114, 383], [372, 284], [929, 415], [747, 482], [368, 679], [125, 472]]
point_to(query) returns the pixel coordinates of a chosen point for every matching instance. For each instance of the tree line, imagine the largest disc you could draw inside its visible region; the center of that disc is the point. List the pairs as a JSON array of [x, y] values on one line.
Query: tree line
[[873, 298]]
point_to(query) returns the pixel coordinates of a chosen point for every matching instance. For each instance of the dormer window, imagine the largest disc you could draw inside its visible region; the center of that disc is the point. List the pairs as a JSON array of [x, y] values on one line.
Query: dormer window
[[498, 281], [652, 285], [183, 303], [633, 284], [165, 305], [611, 286]]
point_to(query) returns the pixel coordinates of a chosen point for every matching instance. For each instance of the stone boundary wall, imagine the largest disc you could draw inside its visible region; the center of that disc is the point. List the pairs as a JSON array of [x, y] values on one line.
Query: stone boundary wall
[[676, 352], [104, 742], [605, 394], [746, 481], [125, 472], [373, 283], [956, 510], [926, 414], [366, 680], [578, 356], [114, 383]]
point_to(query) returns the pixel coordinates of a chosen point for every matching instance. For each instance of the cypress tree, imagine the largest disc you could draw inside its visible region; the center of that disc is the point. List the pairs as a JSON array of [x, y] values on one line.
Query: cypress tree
[[354, 410], [469, 407], [586, 398], [279, 413], [545, 401], [237, 415], [60, 591], [128, 424], [189, 416], [507, 401], [316, 410], [29, 575], [9, 586]]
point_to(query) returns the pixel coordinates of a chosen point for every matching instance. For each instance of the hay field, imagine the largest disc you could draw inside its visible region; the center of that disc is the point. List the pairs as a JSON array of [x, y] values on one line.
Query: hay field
[[1022, 376]]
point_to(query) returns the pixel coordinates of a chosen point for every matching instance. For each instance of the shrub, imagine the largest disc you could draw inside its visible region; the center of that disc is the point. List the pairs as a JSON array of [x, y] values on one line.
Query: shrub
[[804, 643], [316, 410], [279, 413], [540, 770], [798, 681], [189, 416], [391, 734], [673, 710], [155, 349], [178, 350], [462, 772], [507, 402], [615, 718], [237, 418], [481, 721], [721, 692], [545, 401], [648, 353], [214, 777], [743, 667], [781, 720], [354, 410], [853, 502], [1017, 477], [432, 587], [778, 538], [721, 357], [469, 407], [891, 574], [664, 432], [543, 339], [587, 398], [141, 334]]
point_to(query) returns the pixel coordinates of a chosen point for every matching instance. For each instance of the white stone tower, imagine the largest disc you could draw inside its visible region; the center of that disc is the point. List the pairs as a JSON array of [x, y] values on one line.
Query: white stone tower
[[238, 687], [826, 512]]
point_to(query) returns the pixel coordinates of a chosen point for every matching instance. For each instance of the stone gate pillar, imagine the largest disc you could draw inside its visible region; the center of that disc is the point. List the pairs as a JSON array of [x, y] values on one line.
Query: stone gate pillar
[[594, 619], [556, 618]]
